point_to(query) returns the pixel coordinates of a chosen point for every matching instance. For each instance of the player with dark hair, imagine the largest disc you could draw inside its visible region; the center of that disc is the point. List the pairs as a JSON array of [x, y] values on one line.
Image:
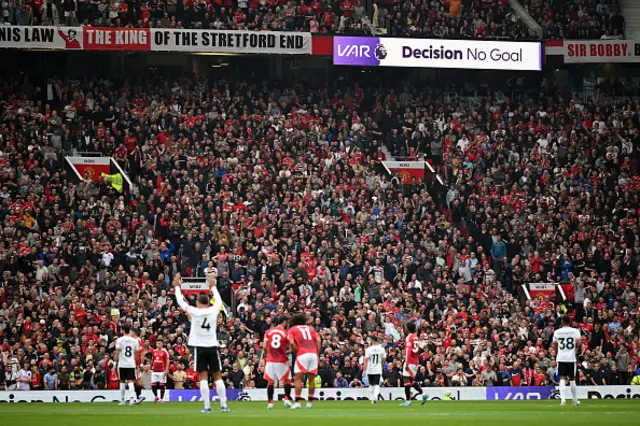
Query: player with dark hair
[[277, 365], [566, 341], [128, 357], [412, 347], [203, 338], [374, 357], [305, 343], [160, 370]]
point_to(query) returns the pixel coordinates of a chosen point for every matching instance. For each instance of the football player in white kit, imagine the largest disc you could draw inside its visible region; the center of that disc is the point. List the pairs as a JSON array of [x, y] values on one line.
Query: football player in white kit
[[128, 358], [204, 340], [566, 341], [374, 356]]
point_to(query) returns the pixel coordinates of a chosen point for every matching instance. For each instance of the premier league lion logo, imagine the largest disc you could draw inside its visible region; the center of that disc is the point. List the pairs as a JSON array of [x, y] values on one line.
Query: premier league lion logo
[[380, 52]]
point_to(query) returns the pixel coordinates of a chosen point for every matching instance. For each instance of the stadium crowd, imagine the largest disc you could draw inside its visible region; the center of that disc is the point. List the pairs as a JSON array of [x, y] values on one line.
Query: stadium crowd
[[578, 19], [280, 188], [486, 19], [490, 19], [417, 18]]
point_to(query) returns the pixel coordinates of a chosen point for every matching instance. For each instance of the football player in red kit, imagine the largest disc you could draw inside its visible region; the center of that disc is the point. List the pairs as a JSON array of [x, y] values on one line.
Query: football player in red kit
[[138, 382], [277, 366], [412, 347], [160, 369], [305, 343]]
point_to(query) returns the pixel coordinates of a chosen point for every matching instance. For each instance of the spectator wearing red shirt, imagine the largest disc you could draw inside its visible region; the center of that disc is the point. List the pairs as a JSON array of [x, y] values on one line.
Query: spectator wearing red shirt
[[346, 6]]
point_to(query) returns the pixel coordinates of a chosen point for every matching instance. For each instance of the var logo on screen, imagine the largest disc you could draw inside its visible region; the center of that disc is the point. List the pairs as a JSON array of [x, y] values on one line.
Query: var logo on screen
[[380, 52], [354, 50], [368, 51]]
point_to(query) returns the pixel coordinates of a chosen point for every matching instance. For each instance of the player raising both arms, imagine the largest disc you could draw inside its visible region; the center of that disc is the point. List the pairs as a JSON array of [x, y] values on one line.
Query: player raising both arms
[[160, 369], [203, 338], [128, 357], [374, 356], [566, 341], [411, 363], [305, 343], [277, 367]]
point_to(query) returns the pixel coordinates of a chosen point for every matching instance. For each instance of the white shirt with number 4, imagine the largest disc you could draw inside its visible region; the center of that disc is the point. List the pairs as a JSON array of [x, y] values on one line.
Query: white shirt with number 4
[[375, 355], [568, 339], [204, 321]]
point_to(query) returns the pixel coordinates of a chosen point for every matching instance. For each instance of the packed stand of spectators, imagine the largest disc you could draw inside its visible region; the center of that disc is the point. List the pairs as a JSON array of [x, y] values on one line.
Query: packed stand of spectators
[[279, 187], [316, 16], [486, 19], [414, 18], [578, 19]]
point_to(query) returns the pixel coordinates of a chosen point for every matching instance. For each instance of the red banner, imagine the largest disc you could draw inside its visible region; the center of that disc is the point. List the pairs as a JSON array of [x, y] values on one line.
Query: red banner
[[116, 38], [90, 168]]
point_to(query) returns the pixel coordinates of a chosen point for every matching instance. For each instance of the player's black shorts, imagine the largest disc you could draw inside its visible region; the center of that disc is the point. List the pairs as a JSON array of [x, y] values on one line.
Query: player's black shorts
[[127, 374], [567, 369], [207, 359], [374, 379]]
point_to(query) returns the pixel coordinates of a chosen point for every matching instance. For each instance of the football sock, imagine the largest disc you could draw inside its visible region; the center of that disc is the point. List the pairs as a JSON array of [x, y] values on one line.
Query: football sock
[[562, 389], [311, 395], [222, 392], [371, 397], [162, 389], [574, 390], [418, 388], [123, 390], [270, 393], [407, 392], [138, 389], [376, 392], [132, 391], [299, 398], [154, 389], [287, 391], [204, 391]]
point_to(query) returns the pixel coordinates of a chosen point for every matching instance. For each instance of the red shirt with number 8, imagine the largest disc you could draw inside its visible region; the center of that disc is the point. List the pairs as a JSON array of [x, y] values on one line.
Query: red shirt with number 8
[[277, 343]]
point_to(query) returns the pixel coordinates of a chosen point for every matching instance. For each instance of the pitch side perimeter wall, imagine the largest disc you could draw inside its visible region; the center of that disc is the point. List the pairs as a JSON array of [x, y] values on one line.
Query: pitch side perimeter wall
[[332, 394]]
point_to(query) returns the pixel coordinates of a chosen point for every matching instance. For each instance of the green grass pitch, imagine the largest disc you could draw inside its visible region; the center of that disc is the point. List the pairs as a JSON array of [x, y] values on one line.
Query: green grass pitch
[[351, 413]]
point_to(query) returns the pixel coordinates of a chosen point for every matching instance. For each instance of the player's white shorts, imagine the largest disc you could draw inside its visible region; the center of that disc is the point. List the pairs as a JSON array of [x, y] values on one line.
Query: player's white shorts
[[307, 363], [277, 372], [410, 370], [159, 378]]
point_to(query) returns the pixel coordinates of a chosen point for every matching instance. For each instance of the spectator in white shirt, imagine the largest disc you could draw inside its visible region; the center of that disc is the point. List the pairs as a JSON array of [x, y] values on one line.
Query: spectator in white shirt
[[24, 378]]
